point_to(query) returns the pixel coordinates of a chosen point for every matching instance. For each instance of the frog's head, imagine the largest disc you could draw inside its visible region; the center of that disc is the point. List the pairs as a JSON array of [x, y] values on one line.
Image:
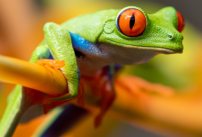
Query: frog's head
[[133, 28]]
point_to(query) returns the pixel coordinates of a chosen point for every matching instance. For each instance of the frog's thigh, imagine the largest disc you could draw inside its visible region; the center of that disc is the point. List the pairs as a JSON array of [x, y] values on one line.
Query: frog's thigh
[[59, 42]]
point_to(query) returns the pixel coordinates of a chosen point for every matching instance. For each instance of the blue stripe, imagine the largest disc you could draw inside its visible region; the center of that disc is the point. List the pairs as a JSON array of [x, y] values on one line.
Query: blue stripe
[[83, 45]]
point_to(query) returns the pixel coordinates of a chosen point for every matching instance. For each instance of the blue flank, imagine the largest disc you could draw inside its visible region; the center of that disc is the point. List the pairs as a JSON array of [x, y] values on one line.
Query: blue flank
[[83, 45]]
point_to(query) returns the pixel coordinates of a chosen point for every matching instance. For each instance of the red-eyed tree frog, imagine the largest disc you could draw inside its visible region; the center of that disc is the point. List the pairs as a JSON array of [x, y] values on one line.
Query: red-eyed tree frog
[[93, 45]]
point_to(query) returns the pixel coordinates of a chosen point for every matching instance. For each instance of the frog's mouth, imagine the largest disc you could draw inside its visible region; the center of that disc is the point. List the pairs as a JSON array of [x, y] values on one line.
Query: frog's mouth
[[160, 50]]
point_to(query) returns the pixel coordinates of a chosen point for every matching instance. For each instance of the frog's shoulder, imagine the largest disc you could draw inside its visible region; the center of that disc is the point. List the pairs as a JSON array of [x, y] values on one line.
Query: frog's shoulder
[[90, 26]]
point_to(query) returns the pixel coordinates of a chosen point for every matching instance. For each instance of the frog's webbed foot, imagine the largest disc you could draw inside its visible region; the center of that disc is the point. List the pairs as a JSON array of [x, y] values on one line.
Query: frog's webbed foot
[[48, 103]]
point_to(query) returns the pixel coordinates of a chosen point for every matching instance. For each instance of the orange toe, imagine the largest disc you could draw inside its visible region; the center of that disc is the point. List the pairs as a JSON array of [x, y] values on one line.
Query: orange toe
[[56, 64]]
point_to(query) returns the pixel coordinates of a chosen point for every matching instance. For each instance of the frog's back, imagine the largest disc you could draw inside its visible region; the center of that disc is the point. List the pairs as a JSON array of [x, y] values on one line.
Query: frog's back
[[90, 26]]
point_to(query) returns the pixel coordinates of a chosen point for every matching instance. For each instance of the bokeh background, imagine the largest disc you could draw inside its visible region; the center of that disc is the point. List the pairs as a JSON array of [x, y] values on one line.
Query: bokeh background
[[21, 23]]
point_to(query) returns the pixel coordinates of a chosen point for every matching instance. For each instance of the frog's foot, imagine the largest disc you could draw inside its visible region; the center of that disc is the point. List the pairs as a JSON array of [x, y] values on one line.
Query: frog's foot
[[56, 64], [50, 63], [107, 97], [49, 102]]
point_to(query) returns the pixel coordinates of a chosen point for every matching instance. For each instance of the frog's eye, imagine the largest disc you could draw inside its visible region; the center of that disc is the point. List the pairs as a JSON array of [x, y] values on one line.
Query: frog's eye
[[131, 22], [180, 19]]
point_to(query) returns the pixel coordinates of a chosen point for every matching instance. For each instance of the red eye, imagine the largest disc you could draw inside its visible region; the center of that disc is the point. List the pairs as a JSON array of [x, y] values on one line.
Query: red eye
[[131, 22], [180, 19]]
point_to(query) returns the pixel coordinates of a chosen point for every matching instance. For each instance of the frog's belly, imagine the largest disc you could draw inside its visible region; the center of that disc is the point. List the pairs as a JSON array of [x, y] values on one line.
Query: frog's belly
[[107, 54]]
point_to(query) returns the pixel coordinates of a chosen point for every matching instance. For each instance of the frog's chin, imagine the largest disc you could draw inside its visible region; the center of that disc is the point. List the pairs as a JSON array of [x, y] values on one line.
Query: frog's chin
[[139, 56], [142, 60]]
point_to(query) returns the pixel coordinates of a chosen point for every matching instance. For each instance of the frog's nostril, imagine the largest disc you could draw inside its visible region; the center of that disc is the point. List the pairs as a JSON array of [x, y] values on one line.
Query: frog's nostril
[[170, 36]]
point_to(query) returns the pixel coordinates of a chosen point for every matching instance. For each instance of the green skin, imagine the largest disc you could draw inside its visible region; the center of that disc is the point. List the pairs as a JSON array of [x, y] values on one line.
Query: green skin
[[99, 28]]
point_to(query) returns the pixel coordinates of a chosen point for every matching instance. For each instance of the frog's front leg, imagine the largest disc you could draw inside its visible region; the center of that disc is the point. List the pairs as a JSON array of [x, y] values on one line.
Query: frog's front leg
[[59, 43], [102, 86], [108, 95]]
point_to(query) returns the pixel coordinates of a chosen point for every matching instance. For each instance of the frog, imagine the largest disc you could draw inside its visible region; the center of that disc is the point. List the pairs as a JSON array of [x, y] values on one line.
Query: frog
[[95, 46]]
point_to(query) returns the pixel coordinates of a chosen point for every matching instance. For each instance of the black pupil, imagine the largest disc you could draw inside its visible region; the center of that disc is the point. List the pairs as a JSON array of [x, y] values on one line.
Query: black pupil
[[132, 21]]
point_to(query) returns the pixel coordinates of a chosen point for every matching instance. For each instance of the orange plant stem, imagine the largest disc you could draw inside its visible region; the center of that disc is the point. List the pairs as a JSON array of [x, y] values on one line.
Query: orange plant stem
[[32, 75]]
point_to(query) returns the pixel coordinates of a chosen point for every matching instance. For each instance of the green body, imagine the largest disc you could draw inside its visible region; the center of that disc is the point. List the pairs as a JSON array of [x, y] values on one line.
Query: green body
[[108, 46]]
